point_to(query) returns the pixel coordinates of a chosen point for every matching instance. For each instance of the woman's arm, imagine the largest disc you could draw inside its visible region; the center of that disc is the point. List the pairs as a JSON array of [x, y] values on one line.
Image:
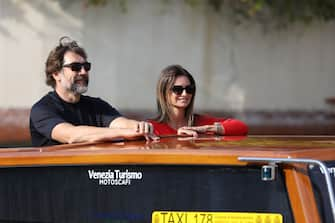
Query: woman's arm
[[234, 127], [219, 126], [216, 128]]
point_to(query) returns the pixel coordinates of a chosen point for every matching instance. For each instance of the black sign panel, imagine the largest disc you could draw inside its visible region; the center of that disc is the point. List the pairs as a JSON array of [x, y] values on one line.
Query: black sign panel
[[129, 194], [320, 190]]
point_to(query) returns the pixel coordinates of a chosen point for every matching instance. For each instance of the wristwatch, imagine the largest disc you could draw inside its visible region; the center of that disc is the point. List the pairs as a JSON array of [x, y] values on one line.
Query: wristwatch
[[218, 128]]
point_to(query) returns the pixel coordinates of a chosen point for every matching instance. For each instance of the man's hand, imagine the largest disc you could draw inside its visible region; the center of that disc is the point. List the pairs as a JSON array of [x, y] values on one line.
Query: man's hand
[[147, 130], [142, 128], [131, 134]]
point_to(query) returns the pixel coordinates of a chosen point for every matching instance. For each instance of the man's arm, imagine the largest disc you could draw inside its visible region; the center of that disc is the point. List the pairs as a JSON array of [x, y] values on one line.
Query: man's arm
[[68, 133], [122, 122], [141, 126], [146, 128]]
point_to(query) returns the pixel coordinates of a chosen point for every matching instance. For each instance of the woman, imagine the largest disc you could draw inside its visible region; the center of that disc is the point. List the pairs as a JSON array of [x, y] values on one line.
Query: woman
[[175, 98]]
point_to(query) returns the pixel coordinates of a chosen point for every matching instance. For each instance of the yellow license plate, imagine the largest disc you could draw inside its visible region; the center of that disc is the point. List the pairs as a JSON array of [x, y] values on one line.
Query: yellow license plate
[[214, 217]]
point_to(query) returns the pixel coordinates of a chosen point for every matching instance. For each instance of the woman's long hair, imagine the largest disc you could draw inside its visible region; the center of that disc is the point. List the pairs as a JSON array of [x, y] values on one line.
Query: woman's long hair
[[164, 86]]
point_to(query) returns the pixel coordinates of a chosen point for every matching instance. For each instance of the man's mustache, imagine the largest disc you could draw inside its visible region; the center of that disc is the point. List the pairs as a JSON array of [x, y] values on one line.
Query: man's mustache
[[85, 79], [80, 78]]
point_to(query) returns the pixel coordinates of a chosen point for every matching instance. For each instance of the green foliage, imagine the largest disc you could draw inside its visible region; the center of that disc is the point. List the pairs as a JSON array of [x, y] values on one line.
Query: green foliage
[[121, 3], [279, 12], [96, 2]]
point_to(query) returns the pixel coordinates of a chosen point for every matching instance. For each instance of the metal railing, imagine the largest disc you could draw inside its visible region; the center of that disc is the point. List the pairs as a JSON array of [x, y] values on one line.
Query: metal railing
[[306, 161]]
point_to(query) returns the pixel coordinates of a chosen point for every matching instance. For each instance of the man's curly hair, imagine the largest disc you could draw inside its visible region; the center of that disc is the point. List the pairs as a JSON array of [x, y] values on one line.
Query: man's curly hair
[[55, 59]]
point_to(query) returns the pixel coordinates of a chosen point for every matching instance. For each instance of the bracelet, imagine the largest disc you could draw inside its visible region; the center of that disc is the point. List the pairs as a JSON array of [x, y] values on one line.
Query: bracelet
[[218, 128]]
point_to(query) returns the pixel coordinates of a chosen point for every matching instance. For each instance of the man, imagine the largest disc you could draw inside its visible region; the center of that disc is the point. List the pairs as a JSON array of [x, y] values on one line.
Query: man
[[65, 115]]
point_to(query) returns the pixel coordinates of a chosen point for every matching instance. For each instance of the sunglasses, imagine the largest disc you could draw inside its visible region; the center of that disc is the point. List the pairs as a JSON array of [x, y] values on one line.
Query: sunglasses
[[77, 66], [178, 90]]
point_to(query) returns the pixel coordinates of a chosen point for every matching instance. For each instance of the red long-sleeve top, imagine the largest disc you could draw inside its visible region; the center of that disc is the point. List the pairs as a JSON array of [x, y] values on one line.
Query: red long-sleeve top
[[232, 127]]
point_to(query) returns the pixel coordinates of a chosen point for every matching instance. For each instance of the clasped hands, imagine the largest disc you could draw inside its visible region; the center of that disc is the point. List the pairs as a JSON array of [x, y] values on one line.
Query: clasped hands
[[193, 130]]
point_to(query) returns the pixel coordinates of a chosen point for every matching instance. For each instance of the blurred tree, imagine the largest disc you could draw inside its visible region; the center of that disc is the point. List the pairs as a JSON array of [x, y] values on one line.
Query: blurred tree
[[280, 13], [122, 3]]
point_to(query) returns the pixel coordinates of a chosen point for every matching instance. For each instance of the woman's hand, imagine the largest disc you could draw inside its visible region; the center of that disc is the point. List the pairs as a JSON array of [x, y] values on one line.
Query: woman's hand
[[216, 128], [185, 131], [198, 129]]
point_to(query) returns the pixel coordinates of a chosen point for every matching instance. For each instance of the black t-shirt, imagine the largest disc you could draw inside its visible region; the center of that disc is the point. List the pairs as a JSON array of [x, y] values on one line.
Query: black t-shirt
[[52, 110]]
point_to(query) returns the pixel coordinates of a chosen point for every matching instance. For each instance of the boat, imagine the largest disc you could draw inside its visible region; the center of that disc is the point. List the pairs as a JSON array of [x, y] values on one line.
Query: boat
[[210, 179]]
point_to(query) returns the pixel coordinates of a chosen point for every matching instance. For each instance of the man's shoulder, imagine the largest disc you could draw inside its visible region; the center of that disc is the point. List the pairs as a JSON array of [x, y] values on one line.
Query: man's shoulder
[[89, 98], [95, 100], [46, 101]]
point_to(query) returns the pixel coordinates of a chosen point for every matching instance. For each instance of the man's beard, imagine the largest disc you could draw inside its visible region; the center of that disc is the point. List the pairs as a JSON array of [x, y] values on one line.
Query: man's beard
[[80, 88]]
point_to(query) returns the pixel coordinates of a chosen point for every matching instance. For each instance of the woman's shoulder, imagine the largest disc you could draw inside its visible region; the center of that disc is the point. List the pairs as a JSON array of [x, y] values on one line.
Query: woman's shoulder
[[157, 124], [161, 128], [208, 119], [152, 121]]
